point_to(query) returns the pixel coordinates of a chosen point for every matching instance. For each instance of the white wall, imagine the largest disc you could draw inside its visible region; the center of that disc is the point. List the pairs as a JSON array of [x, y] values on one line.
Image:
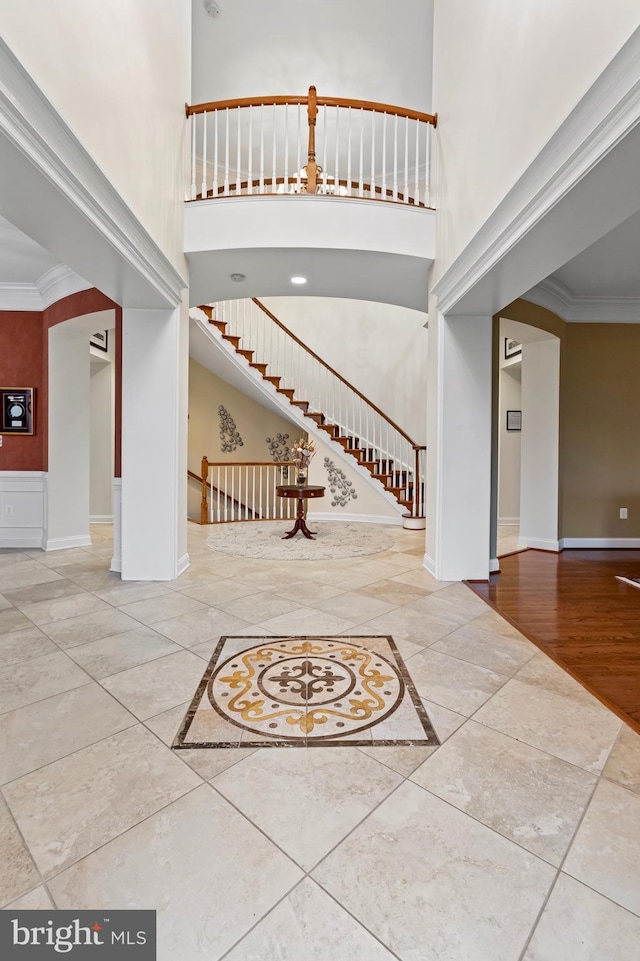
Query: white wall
[[101, 442], [540, 440], [118, 72], [379, 348], [369, 505], [367, 49], [505, 76], [509, 443]]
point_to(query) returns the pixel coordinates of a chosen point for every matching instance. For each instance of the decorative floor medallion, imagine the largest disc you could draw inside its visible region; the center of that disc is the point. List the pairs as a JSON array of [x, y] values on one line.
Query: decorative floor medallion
[[301, 691]]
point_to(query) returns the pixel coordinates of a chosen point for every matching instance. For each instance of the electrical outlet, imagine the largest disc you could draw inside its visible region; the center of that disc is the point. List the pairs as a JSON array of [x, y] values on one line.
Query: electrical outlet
[[623, 513]]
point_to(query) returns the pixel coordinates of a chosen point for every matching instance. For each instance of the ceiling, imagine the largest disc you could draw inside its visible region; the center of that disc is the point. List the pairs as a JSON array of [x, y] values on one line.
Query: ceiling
[[22, 260], [609, 268]]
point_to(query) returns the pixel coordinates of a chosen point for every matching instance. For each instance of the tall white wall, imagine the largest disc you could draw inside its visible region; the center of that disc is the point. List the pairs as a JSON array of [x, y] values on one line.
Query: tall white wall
[[505, 76], [540, 444], [101, 446], [379, 348], [509, 445], [367, 49], [118, 72]]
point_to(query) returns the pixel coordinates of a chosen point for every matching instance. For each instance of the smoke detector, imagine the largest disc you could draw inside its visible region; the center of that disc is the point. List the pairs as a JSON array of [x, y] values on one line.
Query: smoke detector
[[211, 7]]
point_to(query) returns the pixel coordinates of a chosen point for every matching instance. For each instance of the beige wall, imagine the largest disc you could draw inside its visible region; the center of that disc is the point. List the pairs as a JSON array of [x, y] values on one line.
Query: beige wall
[[253, 422], [118, 72], [506, 75], [599, 435]]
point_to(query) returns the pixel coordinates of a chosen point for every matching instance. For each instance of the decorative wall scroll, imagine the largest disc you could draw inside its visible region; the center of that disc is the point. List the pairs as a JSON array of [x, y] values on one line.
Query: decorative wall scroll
[[279, 447], [230, 439], [341, 488], [18, 411]]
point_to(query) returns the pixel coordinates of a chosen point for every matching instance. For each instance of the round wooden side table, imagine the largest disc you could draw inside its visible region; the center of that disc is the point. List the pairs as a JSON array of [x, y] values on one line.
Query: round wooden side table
[[301, 492]]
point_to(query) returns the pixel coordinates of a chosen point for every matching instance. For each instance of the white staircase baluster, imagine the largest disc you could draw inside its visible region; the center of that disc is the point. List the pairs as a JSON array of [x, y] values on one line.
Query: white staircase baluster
[[203, 189], [336, 176], [325, 138], [395, 158], [361, 166], [349, 153], [194, 189], [216, 184], [239, 155], [406, 160], [226, 154], [372, 185], [416, 195], [384, 156], [250, 171], [286, 148], [299, 152], [427, 167], [261, 182], [274, 184]]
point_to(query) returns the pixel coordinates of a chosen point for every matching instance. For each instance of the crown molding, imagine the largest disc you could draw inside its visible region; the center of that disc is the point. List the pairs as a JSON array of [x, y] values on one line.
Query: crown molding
[[31, 124], [52, 286], [579, 309], [604, 116]]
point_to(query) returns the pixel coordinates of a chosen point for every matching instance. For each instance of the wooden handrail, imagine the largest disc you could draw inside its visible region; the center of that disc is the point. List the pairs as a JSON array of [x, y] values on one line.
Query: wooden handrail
[[270, 101], [335, 373]]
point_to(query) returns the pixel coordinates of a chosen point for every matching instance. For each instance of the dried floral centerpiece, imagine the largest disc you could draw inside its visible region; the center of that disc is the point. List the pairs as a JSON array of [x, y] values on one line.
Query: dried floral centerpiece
[[301, 454]]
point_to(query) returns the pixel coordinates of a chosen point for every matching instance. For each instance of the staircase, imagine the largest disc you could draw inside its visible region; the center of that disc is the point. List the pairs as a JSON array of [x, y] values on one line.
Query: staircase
[[326, 399]]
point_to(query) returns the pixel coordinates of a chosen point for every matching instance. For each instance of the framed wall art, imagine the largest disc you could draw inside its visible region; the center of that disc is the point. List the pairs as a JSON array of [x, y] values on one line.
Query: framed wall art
[[17, 410], [100, 340], [514, 420], [511, 348]]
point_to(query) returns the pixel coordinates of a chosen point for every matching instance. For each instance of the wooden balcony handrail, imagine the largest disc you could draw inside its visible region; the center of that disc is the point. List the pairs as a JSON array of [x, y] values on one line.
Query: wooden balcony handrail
[[335, 373], [271, 101]]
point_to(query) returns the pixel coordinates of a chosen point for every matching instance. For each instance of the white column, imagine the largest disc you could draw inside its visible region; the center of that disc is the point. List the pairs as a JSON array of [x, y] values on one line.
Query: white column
[[67, 501], [154, 443], [539, 445], [459, 448]]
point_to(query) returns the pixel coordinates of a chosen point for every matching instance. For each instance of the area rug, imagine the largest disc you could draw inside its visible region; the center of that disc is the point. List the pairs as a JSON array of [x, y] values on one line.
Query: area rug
[[305, 691], [634, 581], [333, 541]]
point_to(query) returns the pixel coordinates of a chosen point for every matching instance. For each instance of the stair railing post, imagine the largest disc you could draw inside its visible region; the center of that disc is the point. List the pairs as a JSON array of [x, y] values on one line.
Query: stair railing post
[[204, 473], [416, 484], [312, 167]]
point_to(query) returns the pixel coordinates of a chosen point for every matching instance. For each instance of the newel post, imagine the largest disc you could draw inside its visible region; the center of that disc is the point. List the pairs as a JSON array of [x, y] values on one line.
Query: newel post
[[204, 473], [312, 167]]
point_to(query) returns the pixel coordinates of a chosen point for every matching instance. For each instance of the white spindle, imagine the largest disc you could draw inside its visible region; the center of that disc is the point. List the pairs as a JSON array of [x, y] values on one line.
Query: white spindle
[[274, 185], [216, 184], [203, 190], [427, 167], [239, 155], [299, 152], [349, 153], [261, 182], [286, 148], [384, 156], [226, 154], [372, 187], [361, 175], [325, 138], [406, 160], [250, 171], [395, 158], [336, 180], [416, 195], [193, 155], [246, 494]]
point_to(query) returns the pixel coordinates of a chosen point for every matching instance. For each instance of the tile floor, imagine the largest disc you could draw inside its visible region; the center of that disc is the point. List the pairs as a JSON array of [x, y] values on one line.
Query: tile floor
[[518, 839]]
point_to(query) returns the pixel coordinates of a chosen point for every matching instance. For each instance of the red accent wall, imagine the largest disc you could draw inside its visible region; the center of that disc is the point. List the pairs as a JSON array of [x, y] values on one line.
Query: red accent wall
[[22, 364], [24, 359]]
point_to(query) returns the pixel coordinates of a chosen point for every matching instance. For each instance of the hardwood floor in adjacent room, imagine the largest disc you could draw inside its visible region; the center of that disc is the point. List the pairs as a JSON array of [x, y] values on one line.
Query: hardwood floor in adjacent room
[[573, 607]]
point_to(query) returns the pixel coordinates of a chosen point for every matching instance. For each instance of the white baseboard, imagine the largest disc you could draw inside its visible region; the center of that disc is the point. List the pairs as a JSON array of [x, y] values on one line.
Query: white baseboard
[[429, 565], [101, 519], [65, 543], [354, 518], [539, 543], [21, 537], [601, 542], [508, 521], [494, 565], [116, 560], [183, 564]]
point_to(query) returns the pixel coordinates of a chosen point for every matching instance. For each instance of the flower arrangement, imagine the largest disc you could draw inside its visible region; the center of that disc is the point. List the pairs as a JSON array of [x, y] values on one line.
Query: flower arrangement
[[301, 453]]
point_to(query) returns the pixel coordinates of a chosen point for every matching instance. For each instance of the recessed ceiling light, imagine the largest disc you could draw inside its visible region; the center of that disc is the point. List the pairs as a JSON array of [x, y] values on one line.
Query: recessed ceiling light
[[238, 278], [298, 280]]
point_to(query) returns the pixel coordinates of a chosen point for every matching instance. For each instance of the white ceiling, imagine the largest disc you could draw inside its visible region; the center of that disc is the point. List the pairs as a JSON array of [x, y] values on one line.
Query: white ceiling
[[22, 260], [609, 268]]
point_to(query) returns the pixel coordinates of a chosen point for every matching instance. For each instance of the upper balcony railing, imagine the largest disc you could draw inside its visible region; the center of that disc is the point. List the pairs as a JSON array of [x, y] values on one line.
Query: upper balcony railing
[[316, 145]]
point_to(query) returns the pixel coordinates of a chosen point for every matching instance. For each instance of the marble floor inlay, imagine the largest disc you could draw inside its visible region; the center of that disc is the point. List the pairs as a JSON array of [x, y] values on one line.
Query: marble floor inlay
[[305, 690]]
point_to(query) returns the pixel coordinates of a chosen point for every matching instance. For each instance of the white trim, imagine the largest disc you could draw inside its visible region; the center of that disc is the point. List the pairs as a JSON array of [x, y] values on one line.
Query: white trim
[[539, 543], [508, 521], [66, 543], [353, 518], [601, 542], [183, 564], [575, 308], [116, 560], [30, 122], [494, 565], [101, 519], [27, 509], [603, 117], [58, 283], [20, 297], [21, 537], [429, 565]]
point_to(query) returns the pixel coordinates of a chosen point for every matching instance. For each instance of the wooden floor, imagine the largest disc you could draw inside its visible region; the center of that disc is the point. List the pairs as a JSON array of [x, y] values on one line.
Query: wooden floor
[[573, 608]]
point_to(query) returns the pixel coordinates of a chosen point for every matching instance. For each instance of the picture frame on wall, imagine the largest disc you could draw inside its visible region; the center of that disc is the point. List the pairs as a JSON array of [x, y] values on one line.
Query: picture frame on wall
[[17, 410], [514, 420], [100, 340], [511, 348]]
